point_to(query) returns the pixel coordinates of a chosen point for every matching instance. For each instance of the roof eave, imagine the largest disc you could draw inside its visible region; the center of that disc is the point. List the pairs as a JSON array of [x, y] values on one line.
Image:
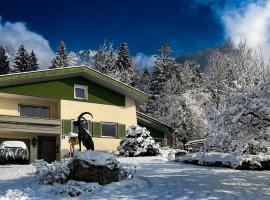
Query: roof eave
[[51, 74]]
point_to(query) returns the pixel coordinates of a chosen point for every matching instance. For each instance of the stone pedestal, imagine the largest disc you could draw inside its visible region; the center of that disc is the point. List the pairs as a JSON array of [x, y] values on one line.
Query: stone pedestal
[[84, 171]]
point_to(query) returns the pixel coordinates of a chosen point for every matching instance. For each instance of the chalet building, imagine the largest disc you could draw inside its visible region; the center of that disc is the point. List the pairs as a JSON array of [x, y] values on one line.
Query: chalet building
[[39, 107]]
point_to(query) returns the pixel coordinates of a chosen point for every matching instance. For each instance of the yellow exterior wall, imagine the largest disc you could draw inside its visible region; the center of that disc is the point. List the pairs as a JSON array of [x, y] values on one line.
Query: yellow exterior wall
[[101, 113], [10, 106]]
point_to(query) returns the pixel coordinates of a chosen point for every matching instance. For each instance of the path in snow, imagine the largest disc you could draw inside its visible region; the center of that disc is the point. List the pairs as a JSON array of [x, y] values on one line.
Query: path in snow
[[156, 178]]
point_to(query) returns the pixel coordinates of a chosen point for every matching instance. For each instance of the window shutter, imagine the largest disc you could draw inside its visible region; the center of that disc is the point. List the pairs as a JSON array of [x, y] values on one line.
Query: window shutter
[[121, 130], [66, 127], [90, 129], [96, 129]]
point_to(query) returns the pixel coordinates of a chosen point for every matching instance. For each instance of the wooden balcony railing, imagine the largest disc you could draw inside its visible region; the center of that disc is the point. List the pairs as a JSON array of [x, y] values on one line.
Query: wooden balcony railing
[[29, 125]]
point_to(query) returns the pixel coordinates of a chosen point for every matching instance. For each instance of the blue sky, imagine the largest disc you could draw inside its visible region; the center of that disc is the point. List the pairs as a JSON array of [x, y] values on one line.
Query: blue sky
[[187, 25], [144, 24]]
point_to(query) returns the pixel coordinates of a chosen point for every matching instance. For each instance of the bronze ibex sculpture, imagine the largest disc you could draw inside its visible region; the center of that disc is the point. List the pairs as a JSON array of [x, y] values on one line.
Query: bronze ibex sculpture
[[83, 135]]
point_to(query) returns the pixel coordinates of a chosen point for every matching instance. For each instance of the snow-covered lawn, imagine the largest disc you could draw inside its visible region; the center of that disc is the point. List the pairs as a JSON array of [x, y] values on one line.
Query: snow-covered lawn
[[156, 178]]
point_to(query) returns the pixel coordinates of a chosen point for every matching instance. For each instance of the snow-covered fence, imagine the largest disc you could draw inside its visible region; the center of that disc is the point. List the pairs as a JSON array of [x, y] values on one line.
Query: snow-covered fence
[[194, 145]]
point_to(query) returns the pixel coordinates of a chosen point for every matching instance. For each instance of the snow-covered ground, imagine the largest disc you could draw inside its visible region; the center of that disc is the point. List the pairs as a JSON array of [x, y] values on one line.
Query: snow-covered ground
[[156, 178]]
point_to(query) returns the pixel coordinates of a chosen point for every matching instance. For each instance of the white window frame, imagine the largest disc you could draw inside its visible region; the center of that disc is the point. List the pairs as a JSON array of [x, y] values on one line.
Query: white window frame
[[85, 88], [110, 123]]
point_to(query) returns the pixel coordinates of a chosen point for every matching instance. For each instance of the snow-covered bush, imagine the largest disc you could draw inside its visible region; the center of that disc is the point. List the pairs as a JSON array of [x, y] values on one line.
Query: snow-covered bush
[[138, 142], [75, 188], [126, 171], [56, 172]]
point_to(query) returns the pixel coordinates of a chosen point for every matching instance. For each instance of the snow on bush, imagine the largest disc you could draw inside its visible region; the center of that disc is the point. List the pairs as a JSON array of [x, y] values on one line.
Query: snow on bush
[[56, 172], [75, 188], [126, 171], [138, 142]]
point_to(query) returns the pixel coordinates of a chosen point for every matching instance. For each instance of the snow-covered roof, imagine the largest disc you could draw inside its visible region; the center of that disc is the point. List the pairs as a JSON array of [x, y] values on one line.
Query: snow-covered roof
[[18, 144]]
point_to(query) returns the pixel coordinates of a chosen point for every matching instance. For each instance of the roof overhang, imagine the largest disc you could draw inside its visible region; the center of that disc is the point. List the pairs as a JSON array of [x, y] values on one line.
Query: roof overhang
[[153, 123], [68, 72]]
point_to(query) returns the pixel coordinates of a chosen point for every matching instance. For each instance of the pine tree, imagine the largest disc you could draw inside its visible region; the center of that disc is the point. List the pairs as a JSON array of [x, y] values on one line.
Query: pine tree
[[142, 80], [124, 65], [111, 60], [4, 63], [100, 59], [33, 61], [61, 58], [164, 67], [21, 60], [104, 60]]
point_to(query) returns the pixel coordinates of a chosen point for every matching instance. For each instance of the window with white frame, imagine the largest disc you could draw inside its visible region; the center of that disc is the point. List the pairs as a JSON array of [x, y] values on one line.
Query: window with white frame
[[108, 129], [81, 92], [34, 111], [75, 129]]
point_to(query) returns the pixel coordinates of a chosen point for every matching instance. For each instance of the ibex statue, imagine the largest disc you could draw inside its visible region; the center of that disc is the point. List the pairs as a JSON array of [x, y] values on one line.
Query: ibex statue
[[83, 135]]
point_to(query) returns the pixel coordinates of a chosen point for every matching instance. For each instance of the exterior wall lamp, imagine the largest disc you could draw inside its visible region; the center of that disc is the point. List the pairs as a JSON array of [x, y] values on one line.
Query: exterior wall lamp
[[34, 142]]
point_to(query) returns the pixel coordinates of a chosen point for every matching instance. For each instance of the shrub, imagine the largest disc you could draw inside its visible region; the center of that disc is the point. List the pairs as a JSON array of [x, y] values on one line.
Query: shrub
[[56, 172], [138, 142]]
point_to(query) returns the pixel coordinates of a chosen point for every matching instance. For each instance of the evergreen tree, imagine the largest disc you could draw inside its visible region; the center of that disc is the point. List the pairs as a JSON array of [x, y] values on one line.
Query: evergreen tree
[[33, 61], [111, 60], [4, 63], [61, 58], [124, 65], [163, 69], [104, 60], [21, 60], [142, 79], [100, 59]]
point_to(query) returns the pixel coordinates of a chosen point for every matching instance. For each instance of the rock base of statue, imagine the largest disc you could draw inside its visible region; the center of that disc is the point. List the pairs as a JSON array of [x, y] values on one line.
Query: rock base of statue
[[94, 166]]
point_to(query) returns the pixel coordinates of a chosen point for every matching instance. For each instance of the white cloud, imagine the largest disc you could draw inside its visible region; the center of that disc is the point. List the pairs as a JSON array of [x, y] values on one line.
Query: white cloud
[[15, 34], [250, 23], [141, 60]]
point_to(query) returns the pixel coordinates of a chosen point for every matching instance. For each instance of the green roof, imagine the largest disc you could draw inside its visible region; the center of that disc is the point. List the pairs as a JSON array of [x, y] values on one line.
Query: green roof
[[83, 71]]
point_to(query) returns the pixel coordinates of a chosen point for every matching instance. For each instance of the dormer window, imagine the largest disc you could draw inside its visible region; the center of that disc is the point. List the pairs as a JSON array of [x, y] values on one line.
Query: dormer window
[[80, 92]]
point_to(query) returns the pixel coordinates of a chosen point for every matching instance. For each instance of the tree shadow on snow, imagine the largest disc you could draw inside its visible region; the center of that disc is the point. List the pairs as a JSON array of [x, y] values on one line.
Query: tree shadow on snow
[[170, 180], [23, 187]]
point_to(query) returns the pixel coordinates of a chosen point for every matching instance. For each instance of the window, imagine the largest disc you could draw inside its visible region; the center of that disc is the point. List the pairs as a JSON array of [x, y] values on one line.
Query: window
[[108, 129], [75, 129], [80, 92], [34, 111]]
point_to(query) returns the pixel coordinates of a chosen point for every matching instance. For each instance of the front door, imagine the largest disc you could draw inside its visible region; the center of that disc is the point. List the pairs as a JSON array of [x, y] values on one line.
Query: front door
[[47, 148]]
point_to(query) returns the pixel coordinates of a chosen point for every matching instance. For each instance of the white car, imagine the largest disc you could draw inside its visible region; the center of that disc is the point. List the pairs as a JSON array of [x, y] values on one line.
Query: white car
[[13, 152]]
